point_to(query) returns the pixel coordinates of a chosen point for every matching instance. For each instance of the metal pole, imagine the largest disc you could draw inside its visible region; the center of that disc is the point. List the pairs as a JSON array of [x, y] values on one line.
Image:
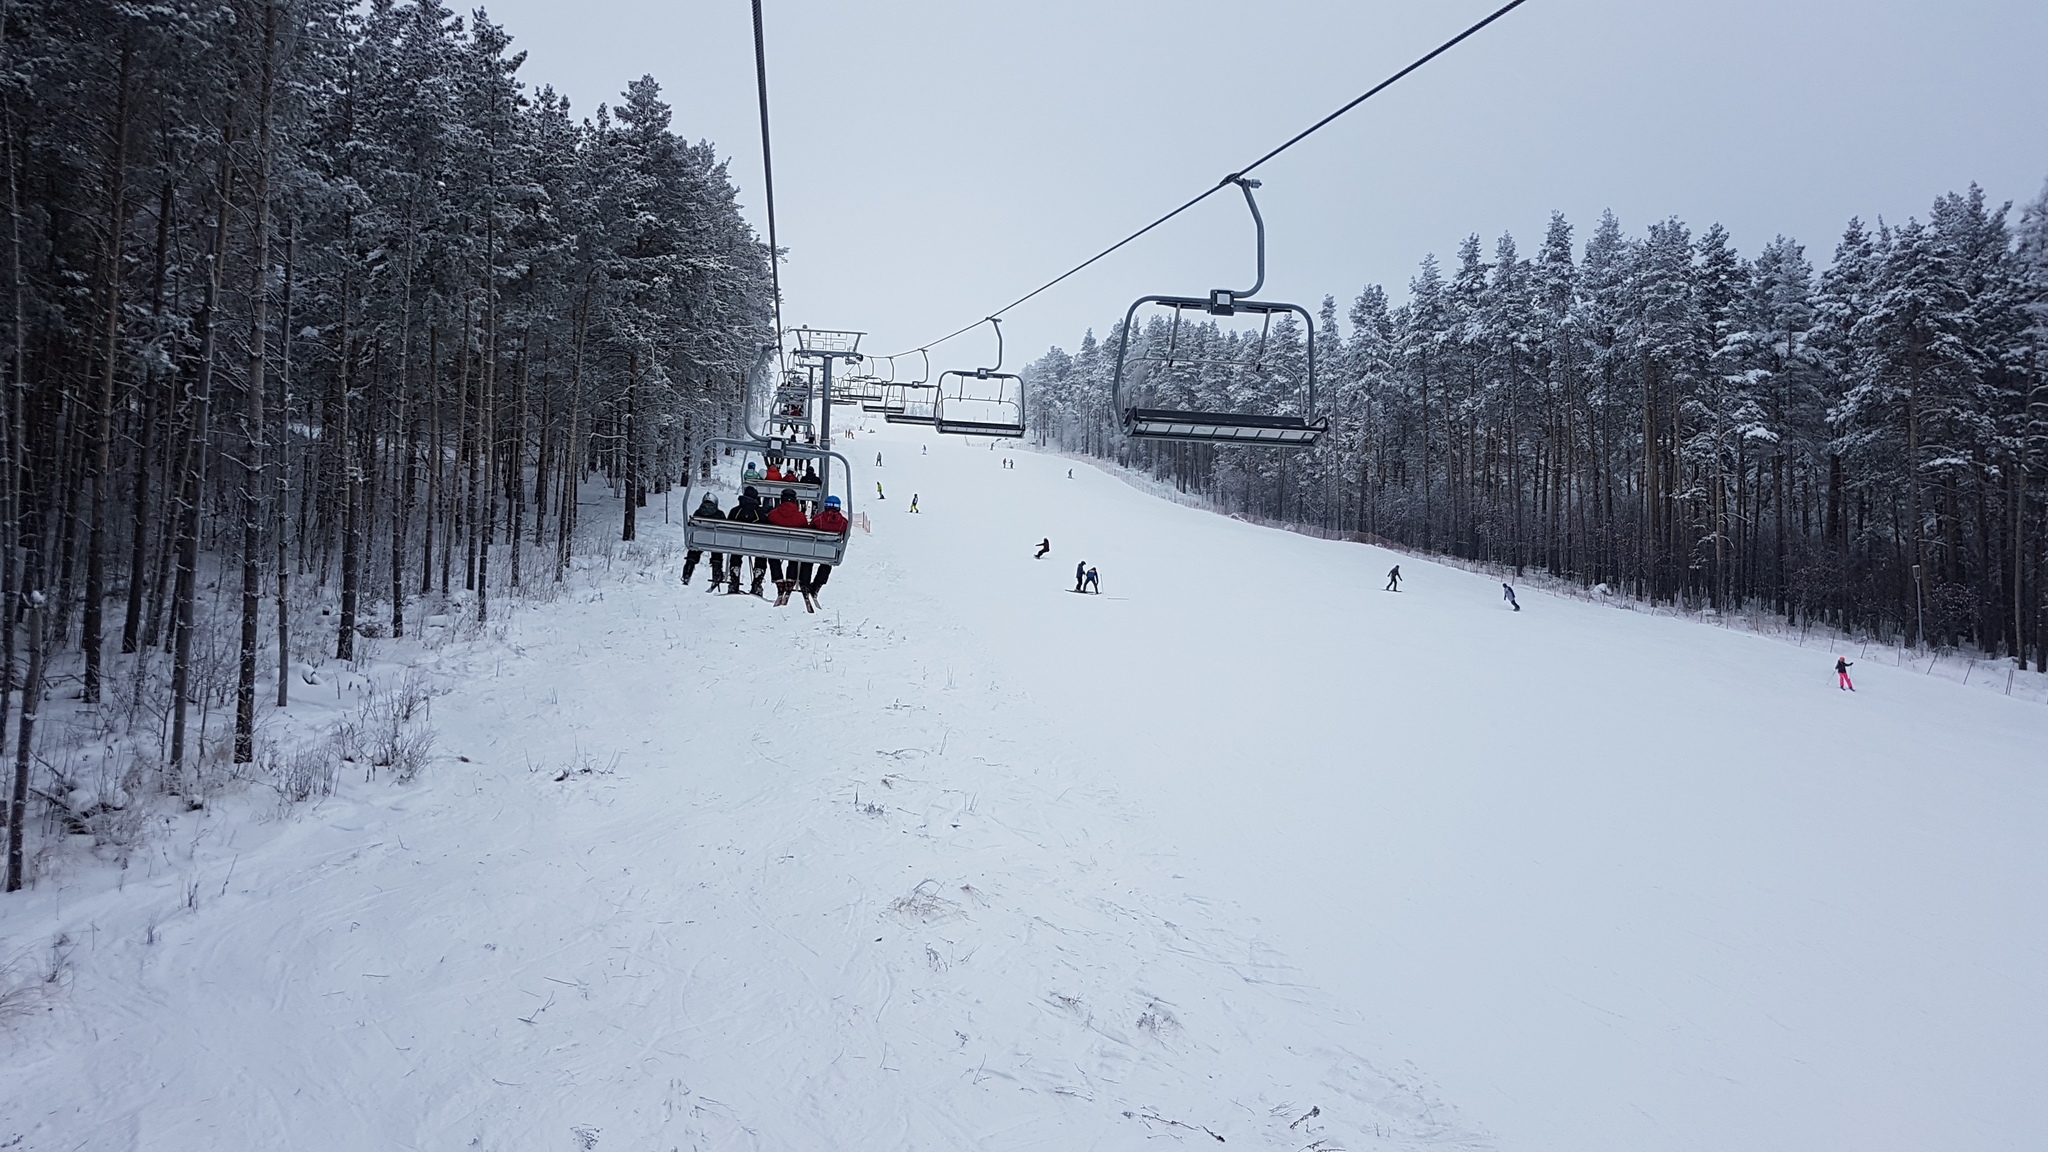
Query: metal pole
[[825, 435], [1919, 609]]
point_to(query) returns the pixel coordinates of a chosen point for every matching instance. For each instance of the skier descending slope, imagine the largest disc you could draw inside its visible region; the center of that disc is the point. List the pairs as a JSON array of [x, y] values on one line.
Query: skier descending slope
[[1044, 546], [1393, 579], [1842, 666], [1507, 593]]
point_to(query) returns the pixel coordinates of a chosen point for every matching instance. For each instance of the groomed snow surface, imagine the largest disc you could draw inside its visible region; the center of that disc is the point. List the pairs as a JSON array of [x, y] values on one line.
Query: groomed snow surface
[[1244, 849]]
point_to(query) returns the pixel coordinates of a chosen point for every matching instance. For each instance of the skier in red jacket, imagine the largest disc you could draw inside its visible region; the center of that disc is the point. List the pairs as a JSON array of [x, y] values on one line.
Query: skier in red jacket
[[828, 519], [787, 514]]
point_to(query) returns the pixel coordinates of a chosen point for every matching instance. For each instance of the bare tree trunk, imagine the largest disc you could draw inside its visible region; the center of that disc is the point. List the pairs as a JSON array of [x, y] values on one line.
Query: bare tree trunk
[[629, 464], [572, 448], [284, 473], [31, 698], [433, 458], [103, 415], [193, 488], [351, 527], [253, 425], [516, 465], [152, 413]]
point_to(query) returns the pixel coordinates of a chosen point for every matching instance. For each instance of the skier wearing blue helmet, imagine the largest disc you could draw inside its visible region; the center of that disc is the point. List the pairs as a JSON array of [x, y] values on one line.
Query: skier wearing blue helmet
[[828, 519]]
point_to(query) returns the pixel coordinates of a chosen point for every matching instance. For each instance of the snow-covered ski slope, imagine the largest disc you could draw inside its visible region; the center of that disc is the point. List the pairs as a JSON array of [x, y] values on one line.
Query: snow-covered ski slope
[[969, 861]]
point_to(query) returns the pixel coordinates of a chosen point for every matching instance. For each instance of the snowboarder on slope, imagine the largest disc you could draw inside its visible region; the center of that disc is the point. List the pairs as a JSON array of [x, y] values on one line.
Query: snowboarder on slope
[[1842, 666], [1393, 579], [1044, 546], [708, 510], [878, 459], [878, 491], [1094, 582], [1507, 593], [1080, 575], [913, 502]]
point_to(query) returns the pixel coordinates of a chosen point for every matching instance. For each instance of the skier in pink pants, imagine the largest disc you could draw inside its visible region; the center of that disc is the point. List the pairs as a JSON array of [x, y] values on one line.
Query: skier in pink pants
[[1842, 673]]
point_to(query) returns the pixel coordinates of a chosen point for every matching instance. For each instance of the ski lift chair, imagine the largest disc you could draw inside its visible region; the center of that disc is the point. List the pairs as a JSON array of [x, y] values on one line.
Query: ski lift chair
[[773, 541], [896, 408], [1274, 429], [808, 493], [981, 402]]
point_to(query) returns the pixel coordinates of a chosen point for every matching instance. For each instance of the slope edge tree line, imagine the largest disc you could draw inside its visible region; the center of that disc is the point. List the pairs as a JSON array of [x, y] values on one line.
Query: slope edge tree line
[[321, 296], [1866, 447]]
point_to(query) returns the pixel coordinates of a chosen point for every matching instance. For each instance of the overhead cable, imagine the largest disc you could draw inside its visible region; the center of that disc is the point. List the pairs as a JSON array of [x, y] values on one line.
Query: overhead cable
[[1226, 182], [767, 167]]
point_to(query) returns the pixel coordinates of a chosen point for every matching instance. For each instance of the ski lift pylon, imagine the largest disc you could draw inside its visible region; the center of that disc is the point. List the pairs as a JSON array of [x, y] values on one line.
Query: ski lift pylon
[[1276, 429]]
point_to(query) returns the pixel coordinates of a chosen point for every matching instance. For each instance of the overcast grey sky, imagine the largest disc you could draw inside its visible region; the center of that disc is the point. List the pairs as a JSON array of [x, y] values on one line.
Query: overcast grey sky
[[935, 160]]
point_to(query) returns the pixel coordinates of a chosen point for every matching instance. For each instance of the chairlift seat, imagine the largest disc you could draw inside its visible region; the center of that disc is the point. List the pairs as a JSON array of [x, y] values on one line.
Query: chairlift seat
[[1222, 427], [769, 541], [1001, 430], [924, 418]]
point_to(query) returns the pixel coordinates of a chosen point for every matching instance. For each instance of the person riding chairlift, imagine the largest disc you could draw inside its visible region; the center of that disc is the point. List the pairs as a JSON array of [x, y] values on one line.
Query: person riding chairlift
[[707, 510], [747, 511], [787, 514], [828, 519]]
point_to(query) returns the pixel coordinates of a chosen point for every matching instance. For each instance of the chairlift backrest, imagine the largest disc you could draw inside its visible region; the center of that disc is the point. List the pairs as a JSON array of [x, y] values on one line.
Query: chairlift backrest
[[1227, 422]]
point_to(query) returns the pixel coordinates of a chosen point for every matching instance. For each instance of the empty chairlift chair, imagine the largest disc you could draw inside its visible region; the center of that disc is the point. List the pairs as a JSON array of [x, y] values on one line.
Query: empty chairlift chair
[[1199, 358], [981, 402]]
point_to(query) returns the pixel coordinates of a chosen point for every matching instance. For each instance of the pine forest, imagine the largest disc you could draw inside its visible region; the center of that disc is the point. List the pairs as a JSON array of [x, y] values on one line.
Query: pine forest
[[1659, 417]]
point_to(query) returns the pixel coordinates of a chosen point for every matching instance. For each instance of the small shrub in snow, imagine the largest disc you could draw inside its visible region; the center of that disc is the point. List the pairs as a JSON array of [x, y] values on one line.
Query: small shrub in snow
[[303, 773]]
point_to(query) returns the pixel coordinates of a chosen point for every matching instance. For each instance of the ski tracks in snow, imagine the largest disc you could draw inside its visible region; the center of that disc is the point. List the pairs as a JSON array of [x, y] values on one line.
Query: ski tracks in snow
[[716, 875]]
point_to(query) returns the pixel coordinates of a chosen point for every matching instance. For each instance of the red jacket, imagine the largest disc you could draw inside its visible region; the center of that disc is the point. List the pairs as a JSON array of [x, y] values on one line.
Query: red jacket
[[830, 520], [788, 515]]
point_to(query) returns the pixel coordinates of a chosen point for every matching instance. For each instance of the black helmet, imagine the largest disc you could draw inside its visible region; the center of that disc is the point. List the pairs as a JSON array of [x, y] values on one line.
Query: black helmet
[[748, 493], [788, 495]]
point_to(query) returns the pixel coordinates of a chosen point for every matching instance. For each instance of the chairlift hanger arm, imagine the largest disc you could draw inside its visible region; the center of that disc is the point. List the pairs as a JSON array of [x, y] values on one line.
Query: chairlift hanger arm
[[1223, 295]]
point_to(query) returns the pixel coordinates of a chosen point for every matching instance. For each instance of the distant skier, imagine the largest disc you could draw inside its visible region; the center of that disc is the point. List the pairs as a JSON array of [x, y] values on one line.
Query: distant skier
[[878, 491], [1070, 473], [878, 459], [1080, 575], [1507, 593], [1094, 582], [1393, 579], [924, 449], [1044, 546], [913, 501], [1842, 666]]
